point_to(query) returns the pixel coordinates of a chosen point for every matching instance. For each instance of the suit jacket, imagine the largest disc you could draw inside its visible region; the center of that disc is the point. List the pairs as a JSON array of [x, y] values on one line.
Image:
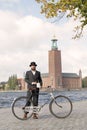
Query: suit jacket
[[29, 78]]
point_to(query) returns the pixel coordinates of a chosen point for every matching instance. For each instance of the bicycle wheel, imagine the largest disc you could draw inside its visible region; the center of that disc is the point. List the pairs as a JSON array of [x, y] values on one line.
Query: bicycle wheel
[[60, 106], [19, 109]]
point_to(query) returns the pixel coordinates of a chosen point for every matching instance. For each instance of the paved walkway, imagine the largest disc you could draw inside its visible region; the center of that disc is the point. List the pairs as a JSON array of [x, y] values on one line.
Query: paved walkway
[[76, 121]]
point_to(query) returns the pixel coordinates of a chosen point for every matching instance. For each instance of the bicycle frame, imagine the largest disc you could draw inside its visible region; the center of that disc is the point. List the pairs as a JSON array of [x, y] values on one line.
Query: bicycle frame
[[38, 108], [48, 101]]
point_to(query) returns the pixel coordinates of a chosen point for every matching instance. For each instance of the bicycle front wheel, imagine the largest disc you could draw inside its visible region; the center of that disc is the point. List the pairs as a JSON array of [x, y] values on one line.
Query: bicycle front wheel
[[19, 108], [60, 106]]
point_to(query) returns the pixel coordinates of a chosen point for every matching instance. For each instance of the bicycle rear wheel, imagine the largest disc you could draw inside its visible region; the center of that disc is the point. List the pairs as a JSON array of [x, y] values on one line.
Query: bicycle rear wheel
[[60, 106], [19, 109]]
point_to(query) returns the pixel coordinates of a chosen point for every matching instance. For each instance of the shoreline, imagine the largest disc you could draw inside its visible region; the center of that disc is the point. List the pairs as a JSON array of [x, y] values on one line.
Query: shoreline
[[44, 90], [13, 91]]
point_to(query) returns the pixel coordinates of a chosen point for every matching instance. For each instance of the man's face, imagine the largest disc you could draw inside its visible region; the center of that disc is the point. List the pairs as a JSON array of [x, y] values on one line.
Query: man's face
[[33, 67]]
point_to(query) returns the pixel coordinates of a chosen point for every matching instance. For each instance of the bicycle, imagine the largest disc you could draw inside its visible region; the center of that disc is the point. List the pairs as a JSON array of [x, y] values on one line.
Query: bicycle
[[59, 106]]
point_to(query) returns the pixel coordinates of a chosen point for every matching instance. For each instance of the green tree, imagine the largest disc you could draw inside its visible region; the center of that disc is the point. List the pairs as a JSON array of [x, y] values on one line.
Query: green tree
[[12, 82], [76, 9], [3, 86], [84, 82]]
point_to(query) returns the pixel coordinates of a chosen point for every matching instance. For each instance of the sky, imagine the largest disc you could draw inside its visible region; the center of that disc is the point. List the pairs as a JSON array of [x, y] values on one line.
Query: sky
[[25, 36]]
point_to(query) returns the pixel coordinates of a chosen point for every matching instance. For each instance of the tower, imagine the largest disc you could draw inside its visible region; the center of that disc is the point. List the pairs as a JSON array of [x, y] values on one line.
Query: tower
[[55, 69], [80, 81]]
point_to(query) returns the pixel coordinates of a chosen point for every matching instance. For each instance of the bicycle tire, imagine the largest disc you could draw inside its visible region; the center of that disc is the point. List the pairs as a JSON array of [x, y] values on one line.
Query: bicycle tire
[[17, 108], [60, 106]]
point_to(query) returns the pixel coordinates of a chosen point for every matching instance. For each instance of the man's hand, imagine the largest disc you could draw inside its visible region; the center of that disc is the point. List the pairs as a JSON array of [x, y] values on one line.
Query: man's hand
[[34, 83]]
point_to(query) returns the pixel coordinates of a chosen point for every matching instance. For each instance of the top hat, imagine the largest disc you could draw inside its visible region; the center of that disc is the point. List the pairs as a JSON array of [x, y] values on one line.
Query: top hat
[[33, 64]]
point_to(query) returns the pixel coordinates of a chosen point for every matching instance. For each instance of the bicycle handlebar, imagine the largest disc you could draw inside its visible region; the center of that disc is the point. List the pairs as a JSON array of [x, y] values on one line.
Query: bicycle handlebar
[[51, 88]]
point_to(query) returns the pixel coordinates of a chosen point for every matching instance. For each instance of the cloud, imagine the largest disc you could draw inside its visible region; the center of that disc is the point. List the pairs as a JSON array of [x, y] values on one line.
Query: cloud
[[26, 38], [21, 41]]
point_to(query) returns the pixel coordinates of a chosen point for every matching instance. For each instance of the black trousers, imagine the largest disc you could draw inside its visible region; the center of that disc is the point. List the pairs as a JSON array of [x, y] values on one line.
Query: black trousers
[[34, 94]]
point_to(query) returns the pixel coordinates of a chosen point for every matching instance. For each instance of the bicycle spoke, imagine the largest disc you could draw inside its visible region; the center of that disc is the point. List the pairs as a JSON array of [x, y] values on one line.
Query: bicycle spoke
[[61, 107]]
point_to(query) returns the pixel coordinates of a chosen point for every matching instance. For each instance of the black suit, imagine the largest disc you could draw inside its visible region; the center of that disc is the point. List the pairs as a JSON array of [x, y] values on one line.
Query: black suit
[[29, 78]]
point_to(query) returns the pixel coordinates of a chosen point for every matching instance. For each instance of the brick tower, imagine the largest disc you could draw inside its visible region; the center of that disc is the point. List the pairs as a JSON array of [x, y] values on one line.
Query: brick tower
[[55, 69]]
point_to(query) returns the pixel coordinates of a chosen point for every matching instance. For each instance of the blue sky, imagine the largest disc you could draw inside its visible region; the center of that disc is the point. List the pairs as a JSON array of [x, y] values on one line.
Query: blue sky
[[25, 36], [23, 7]]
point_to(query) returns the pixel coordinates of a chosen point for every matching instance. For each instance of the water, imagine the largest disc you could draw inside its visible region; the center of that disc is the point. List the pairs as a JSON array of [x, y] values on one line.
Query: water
[[6, 98]]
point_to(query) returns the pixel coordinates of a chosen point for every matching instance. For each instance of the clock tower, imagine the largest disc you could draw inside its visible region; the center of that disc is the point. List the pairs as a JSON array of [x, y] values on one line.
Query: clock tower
[[55, 68]]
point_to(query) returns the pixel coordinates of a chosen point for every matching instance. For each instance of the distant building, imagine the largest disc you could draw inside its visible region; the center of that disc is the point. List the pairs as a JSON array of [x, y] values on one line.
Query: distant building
[[55, 77], [22, 84], [3, 85]]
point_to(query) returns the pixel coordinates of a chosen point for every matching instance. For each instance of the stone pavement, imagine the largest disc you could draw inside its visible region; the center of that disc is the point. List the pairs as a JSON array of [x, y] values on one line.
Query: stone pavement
[[76, 121]]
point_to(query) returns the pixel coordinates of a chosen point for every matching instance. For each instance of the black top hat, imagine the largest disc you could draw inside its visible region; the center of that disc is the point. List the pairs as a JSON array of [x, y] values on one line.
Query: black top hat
[[33, 64]]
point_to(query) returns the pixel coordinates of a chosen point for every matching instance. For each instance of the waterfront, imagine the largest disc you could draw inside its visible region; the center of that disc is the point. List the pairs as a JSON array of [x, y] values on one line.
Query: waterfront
[[6, 98], [76, 121]]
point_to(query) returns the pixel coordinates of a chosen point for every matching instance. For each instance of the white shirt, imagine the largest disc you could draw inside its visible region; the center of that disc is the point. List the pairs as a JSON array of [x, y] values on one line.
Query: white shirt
[[33, 72]]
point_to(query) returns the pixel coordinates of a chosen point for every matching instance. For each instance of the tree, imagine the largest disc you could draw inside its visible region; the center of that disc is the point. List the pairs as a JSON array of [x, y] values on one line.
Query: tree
[[12, 82], [84, 82], [76, 9], [3, 86]]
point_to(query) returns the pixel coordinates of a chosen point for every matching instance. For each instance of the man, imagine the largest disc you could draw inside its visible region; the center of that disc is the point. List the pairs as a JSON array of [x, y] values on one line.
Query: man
[[33, 77]]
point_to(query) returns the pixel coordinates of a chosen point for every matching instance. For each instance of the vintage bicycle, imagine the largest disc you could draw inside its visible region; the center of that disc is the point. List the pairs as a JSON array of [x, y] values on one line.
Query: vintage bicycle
[[59, 106]]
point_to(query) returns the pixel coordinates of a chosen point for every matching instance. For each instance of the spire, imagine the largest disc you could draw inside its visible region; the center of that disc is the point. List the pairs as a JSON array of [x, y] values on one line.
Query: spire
[[80, 73], [54, 43]]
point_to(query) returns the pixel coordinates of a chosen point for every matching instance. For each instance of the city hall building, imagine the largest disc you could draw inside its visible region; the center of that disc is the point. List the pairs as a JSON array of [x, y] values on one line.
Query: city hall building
[[55, 77]]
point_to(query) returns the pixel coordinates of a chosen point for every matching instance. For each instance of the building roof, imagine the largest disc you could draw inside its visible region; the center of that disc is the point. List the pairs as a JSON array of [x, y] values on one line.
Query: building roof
[[70, 75], [64, 75]]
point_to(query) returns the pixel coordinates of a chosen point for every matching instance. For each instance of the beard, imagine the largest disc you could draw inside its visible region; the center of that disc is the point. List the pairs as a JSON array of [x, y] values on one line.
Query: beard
[[33, 69]]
